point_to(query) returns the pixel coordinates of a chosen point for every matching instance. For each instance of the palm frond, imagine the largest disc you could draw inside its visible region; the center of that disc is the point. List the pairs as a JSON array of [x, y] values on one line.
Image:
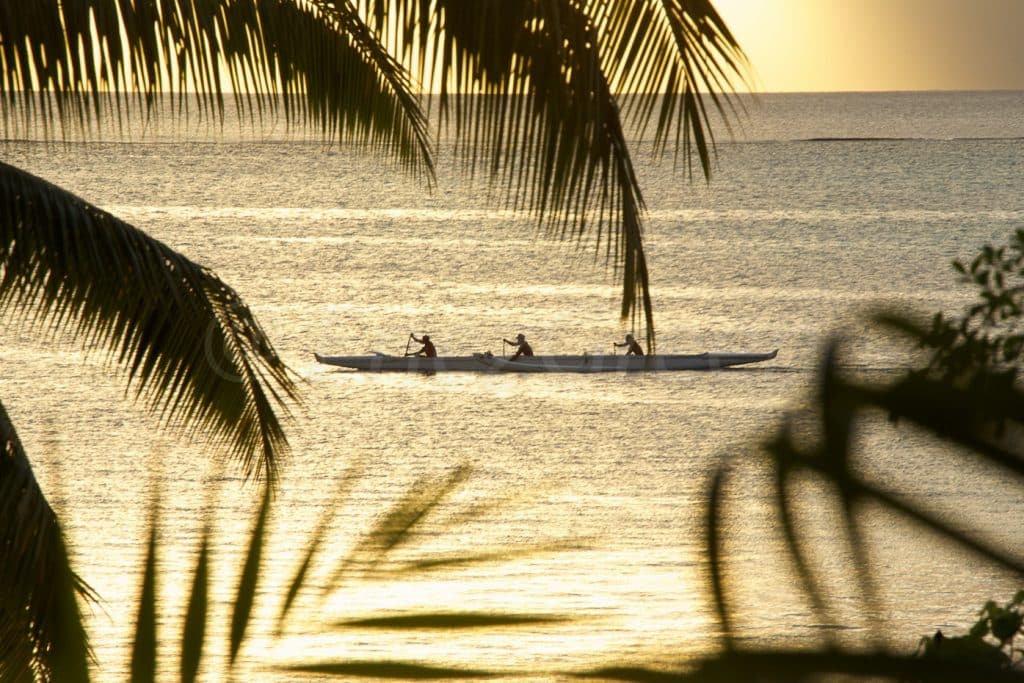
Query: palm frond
[[400, 527], [670, 56], [194, 634], [391, 670], [531, 90], [974, 409], [71, 63], [964, 417], [313, 547], [41, 629], [713, 544], [447, 621], [249, 579], [192, 348], [397, 526], [524, 88], [467, 560], [143, 664], [778, 449], [805, 665], [532, 86]]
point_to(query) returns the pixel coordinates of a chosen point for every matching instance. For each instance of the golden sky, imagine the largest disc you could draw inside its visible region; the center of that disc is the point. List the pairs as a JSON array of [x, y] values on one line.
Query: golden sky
[[863, 45]]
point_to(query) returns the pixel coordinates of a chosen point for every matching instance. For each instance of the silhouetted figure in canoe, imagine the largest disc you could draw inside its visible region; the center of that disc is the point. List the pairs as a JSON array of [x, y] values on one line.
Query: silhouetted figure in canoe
[[524, 349], [633, 347], [428, 349]]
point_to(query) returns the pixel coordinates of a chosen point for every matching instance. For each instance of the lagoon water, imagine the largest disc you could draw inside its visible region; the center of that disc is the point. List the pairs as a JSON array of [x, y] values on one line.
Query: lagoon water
[[822, 209]]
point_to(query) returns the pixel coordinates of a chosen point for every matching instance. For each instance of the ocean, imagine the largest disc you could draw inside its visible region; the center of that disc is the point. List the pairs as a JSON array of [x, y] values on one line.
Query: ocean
[[590, 490]]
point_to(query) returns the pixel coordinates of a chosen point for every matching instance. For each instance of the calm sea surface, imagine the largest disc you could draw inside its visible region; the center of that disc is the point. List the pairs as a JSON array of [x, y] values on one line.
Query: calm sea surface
[[822, 209]]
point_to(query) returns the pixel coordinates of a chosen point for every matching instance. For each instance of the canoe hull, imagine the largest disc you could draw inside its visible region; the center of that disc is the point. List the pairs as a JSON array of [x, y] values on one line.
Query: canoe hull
[[384, 363], [569, 363]]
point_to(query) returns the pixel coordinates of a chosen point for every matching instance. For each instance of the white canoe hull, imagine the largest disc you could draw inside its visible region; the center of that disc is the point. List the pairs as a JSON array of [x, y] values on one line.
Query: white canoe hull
[[570, 363]]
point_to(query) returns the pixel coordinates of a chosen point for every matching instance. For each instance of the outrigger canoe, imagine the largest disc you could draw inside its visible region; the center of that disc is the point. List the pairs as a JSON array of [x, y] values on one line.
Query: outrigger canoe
[[485, 362]]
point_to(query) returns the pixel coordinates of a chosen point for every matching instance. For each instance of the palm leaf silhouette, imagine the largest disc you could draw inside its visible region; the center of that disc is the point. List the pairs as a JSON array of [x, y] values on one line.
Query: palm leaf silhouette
[[973, 409], [534, 90], [192, 348], [40, 623], [70, 63]]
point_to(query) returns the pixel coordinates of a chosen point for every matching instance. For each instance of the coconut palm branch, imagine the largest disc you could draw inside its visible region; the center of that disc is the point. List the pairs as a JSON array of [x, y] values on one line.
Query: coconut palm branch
[[41, 630], [544, 110], [532, 90], [70, 64], [534, 86], [192, 349], [673, 55], [976, 410]]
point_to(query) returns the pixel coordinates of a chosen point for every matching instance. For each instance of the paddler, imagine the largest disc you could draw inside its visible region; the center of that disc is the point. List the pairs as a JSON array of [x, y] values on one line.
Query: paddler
[[633, 347], [523, 349], [428, 349]]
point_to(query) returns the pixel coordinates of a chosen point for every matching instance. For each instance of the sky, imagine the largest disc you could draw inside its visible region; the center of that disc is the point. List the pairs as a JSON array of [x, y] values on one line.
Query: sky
[[872, 45]]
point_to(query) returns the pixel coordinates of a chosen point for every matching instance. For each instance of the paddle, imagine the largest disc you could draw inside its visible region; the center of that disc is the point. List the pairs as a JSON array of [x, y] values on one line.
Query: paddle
[[407, 343]]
